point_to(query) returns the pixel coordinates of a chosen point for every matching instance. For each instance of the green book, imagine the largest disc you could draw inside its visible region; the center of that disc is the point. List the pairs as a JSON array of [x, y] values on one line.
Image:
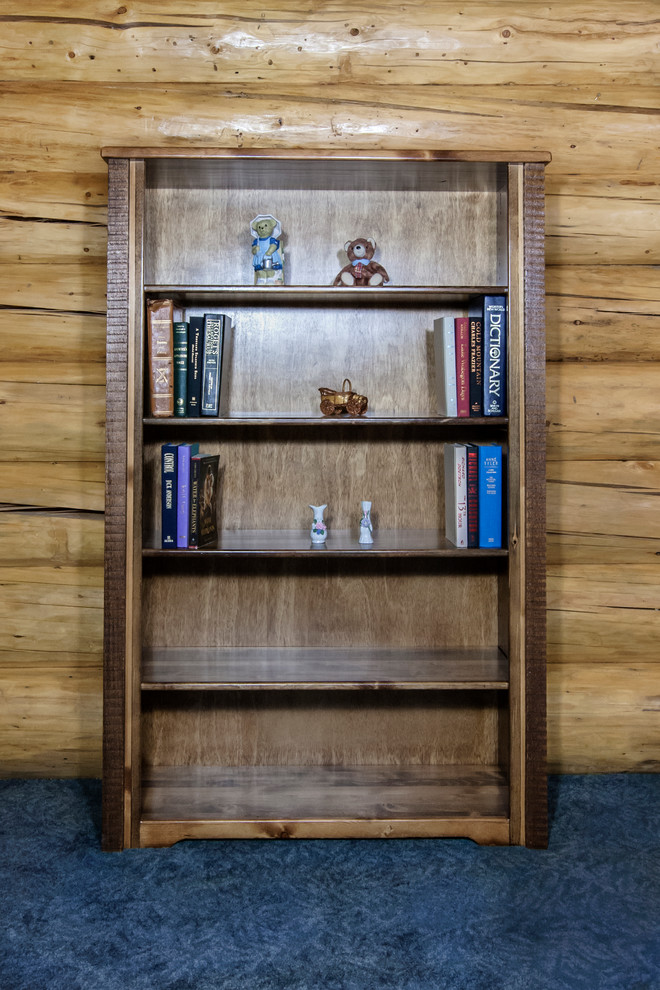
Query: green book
[[180, 367]]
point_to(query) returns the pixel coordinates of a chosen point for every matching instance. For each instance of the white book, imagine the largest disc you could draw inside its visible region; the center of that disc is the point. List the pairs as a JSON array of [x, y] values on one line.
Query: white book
[[445, 365], [456, 529]]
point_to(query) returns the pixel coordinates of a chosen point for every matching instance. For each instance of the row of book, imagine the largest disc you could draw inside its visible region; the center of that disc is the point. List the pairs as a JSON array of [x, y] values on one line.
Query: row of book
[[189, 485], [470, 359], [474, 494], [185, 361]]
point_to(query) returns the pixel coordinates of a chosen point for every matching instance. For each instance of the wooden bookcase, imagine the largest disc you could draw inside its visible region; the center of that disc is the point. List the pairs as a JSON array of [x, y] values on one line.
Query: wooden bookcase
[[268, 687]]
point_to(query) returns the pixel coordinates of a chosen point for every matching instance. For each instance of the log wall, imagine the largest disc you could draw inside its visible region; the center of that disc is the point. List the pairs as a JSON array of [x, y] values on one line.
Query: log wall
[[577, 79]]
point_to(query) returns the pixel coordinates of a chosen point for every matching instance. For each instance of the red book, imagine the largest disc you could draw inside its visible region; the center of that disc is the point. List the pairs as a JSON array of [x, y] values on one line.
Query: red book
[[472, 456], [462, 332]]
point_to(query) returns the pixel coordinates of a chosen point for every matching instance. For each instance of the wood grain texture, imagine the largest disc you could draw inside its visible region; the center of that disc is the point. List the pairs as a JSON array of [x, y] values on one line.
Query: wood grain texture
[[536, 807], [357, 802], [579, 79], [116, 509]]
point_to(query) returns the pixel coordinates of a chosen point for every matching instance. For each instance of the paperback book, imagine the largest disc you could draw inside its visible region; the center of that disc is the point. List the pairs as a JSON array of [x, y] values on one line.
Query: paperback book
[[456, 519], [203, 500]]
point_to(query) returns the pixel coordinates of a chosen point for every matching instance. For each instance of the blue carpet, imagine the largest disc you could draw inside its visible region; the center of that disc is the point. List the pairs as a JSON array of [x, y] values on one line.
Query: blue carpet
[[332, 915]]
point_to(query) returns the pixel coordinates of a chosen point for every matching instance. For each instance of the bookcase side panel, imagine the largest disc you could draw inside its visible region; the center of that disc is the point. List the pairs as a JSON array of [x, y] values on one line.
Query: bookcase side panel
[[122, 511], [115, 628], [536, 831], [514, 616]]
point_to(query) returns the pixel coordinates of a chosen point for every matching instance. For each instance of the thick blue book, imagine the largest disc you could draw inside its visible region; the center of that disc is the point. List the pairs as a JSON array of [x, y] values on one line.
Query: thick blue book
[[194, 389], [490, 495], [168, 495], [494, 376], [184, 452]]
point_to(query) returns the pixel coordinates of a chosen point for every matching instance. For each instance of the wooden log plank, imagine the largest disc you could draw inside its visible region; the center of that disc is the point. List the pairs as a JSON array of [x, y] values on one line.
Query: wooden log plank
[[423, 117], [55, 242], [603, 719], [70, 195], [602, 313], [76, 284], [604, 614], [608, 497], [509, 44], [59, 348], [597, 548], [59, 618], [603, 411], [44, 422], [51, 540], [604, 230], [582, 328], [610, 282], [50, 719], [53, 484]]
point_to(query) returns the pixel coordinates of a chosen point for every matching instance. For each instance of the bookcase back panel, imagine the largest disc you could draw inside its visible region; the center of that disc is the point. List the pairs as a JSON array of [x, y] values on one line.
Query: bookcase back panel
[[277, 357], [334, 604], [199, 233], [266, 484], [328, 728]]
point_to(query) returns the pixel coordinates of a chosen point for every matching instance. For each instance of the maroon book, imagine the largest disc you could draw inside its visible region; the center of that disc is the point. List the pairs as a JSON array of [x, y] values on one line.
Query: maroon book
[[472, 455]]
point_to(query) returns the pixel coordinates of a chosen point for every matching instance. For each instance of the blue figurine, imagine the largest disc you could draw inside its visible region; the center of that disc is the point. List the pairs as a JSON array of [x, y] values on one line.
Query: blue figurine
[[267, 253]]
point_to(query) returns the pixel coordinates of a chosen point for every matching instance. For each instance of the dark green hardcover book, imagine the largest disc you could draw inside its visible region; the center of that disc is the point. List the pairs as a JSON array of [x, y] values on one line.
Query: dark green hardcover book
[[180, 367]]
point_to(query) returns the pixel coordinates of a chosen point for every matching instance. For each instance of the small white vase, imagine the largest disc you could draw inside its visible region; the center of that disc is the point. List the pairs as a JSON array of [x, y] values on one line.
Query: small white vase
[[366, 527], [319, 529]]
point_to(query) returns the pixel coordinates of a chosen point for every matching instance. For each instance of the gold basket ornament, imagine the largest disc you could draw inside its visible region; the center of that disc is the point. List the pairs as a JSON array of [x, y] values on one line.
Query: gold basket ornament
[[335, 403]]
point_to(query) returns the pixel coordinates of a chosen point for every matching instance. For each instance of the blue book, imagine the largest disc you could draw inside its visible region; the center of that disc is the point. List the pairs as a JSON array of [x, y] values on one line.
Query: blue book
[[490, 495], [494, 374], [184, 452], [168, 495]]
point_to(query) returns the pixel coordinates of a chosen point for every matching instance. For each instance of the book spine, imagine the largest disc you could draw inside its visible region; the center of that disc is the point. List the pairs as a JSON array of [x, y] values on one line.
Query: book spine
[[180, 336], [184, 452], [193, 537], [194, 384], [490, 495], [462, 332], [213, 336], [472, 456], [495, 356], [476, 332], [160, 347], [456, 494], [445, 365], [168, 495]]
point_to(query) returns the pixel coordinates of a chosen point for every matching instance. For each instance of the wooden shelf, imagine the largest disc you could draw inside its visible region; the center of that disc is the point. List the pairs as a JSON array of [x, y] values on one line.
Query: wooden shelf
[[327, 422], [340, 543], [310, 669], [316, 295], [317, 801]]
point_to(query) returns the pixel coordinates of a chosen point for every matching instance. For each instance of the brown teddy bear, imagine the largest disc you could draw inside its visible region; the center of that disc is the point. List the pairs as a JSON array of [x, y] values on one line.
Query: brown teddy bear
[[361, 268]]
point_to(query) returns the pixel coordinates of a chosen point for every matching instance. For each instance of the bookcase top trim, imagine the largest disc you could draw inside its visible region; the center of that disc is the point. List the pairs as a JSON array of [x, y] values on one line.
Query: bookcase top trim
[[512, 157]]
